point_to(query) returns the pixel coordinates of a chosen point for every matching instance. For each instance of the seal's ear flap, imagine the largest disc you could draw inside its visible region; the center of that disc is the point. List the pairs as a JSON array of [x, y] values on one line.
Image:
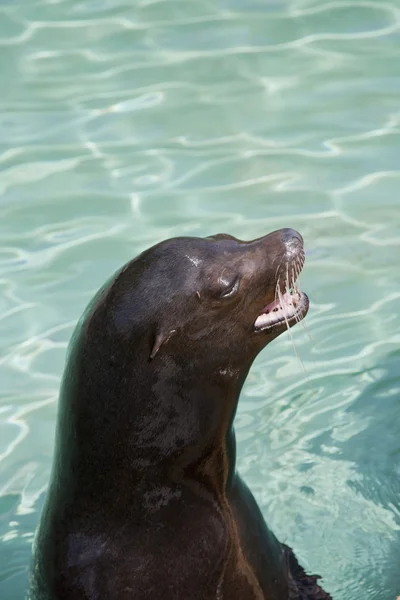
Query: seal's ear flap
[[161, 338]]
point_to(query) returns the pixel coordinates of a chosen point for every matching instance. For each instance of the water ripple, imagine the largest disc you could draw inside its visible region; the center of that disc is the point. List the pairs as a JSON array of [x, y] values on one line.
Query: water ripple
[[122, 125]]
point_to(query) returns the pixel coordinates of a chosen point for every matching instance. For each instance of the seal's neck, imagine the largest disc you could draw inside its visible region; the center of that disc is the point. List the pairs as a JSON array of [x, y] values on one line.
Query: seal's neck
[[168, 420]]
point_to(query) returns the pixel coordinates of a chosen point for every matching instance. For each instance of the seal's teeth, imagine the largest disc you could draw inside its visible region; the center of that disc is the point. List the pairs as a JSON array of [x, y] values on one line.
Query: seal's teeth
[[263, 320], [275, 313]]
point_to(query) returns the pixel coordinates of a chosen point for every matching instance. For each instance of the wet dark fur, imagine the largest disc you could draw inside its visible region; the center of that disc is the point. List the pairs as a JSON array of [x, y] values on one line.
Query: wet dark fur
[[144, 500]]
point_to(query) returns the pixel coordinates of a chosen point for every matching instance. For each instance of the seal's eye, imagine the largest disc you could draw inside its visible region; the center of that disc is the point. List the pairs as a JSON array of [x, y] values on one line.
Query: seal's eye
[[231, 287]]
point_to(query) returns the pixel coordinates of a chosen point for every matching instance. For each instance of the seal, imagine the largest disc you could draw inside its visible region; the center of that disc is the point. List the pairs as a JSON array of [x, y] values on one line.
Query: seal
[[144, 499]]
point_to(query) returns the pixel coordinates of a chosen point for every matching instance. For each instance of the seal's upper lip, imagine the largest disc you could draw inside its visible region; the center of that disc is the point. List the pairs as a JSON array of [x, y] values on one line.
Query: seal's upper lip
[[290, 304]]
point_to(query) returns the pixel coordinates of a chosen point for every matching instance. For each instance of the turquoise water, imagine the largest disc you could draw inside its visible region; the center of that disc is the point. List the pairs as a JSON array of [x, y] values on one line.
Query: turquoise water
[[123, 123]]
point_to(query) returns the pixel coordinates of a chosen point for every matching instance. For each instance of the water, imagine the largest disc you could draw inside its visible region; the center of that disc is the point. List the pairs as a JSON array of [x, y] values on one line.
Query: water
[[123, 123]]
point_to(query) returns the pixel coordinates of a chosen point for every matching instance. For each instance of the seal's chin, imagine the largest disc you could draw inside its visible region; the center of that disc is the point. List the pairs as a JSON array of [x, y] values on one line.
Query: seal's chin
[[290, 308]]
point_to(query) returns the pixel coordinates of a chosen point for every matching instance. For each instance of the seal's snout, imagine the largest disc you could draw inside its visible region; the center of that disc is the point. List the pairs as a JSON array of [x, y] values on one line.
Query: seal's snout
[[291, 236], [289, 304]]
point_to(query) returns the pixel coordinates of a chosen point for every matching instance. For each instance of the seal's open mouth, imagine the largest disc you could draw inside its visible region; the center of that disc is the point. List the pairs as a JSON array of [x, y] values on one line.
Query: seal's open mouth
[[288, 309], [290, 305]]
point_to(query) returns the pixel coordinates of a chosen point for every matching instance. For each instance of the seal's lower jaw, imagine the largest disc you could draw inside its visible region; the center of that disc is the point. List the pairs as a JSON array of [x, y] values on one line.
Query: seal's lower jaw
[[282, 313]]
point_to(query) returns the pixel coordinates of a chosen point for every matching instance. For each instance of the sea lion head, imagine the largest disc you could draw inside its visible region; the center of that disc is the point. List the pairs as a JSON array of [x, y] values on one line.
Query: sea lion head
[[210, 299]]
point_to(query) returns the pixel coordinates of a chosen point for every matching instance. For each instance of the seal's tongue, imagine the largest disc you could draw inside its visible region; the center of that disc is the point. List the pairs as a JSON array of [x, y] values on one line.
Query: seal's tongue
[[280, 309]]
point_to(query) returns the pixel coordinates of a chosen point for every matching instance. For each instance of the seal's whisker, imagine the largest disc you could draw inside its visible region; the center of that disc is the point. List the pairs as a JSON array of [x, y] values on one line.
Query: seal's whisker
[[277, 288], [281, 299], [299, 263], [278, 268], [292, 284], [297, 267], [307, 332], [288, 286], [287, 290]]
